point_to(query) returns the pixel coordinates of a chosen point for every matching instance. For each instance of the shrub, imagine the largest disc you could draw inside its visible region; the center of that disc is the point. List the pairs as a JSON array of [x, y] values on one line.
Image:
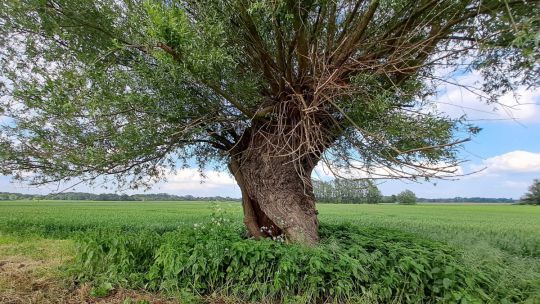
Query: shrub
[[369, 264], [532, 197], [406, 197]]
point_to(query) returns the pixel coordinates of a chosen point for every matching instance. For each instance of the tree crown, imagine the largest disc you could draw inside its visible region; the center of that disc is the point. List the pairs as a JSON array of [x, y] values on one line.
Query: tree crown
[[406, 197], [126, 88], [533, 195]]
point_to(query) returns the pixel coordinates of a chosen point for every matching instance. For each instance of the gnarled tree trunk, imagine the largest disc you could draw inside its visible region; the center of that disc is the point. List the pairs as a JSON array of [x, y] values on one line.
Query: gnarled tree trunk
[[277, 196]]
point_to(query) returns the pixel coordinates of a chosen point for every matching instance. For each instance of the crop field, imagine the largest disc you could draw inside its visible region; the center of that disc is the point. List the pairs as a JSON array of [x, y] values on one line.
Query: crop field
[[165, 251]]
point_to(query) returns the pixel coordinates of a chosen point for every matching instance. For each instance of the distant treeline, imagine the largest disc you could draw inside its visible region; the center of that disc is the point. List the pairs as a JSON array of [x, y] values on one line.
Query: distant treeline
[[340, 192], [82, 196], [467, 200], [343, 191]]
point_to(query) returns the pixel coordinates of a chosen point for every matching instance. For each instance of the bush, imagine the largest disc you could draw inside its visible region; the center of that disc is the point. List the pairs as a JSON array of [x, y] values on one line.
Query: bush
[[406, 197], [532, 197], [375, 265]]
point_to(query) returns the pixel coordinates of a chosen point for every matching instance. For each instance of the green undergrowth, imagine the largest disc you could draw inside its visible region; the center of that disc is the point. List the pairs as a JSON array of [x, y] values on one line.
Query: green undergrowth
[[369, 265]]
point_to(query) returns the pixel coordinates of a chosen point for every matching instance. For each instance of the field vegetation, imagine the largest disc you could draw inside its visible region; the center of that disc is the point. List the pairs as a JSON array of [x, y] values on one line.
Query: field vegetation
[[198, 251]]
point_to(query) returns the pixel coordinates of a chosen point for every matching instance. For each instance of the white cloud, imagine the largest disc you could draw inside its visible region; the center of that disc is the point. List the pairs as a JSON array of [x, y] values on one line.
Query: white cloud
[[180, 182], [324, 172], [512, 162], [523, 105], [522, 185], [190, 179]]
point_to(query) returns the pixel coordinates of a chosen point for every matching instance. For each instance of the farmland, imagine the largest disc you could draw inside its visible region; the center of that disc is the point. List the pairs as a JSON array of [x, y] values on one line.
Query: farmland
[[500, 242]]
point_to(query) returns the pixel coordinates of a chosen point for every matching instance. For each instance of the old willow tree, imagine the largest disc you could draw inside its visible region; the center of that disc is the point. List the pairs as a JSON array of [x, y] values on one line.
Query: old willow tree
[[127, 89]]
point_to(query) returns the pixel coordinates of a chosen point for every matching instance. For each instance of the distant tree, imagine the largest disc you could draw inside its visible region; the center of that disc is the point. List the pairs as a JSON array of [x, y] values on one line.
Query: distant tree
[[323, 191], [392, 199], [533, 196], [347, 191], [406, 197], [373, 194], [127, 89]]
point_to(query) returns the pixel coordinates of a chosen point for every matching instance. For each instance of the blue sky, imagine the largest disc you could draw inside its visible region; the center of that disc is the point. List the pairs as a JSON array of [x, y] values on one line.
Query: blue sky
[[510, 154], [507, 150]]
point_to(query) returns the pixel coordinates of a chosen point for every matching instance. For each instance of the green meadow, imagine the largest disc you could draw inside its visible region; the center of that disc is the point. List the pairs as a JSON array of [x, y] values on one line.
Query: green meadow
[[497, 247]]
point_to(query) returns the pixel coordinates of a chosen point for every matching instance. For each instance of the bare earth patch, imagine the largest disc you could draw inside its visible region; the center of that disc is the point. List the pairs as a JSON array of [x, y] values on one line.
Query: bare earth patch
[[30, 272]]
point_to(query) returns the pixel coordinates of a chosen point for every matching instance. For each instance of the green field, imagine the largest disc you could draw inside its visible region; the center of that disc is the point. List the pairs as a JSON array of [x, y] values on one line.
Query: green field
[[502, 238], [504, 228]]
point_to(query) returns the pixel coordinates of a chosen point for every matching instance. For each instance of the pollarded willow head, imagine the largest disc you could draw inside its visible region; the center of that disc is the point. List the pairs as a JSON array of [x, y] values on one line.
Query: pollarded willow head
[[126, 88]]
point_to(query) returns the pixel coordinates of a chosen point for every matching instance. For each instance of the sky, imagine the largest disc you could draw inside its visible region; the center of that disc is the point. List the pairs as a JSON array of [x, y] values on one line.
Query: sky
[[505, 154]]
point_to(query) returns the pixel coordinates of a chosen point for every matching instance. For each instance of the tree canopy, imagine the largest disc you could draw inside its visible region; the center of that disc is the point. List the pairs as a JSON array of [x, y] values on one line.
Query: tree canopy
[[406, 197], [347, 191], [123, 88], [532, 197]]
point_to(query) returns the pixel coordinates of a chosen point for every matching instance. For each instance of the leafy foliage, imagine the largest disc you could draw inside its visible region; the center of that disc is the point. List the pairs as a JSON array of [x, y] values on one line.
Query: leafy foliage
[[369, 264], [347, 191], [503, 246], [533, 196], [128, 88], [406, 197]]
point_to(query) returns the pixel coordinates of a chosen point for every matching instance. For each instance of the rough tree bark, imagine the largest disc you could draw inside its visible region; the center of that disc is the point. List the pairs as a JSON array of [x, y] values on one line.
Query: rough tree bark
[[277, 197]]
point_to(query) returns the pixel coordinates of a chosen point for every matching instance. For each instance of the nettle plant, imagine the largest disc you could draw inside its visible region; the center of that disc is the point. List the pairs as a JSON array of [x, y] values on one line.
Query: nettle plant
[[125, 89], [351, 265]]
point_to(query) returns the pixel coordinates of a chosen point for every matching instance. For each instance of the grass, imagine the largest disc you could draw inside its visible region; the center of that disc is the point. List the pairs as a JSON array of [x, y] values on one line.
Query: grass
[[514, 229], [36, 270], [63, 218], [500, 242], [31, 269]]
